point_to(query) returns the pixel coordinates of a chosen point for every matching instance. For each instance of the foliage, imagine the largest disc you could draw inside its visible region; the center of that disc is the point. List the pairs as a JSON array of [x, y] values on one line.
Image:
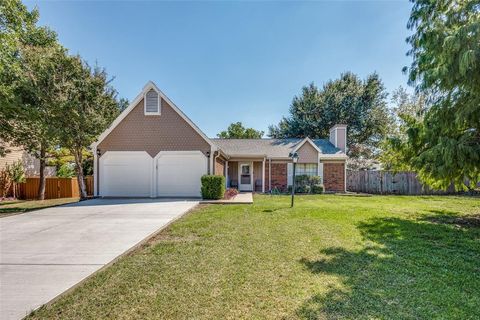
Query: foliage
[[317, 189], [5, 181], [230, 193], [90, 105], [213, 187], [29, 80], [306, 184], [238, 131], [49, 99], [444, 147], [17, 174], [348, 100], [406, 107], [18, 29], [66, 170]]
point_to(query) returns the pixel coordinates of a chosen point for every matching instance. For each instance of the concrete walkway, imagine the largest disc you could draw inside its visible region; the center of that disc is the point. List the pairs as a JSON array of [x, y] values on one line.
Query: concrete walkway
[[241, 198], [45, 252]]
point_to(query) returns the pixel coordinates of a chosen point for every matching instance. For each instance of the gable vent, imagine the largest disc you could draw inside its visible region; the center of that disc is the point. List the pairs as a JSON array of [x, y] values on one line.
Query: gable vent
[[152, 102]]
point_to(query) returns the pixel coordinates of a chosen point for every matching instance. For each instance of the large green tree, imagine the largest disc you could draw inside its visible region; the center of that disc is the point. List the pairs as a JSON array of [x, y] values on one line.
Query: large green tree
[[361, 104], [238, 131], [406, 108], [28, 77], [90, 104], [444, 146]]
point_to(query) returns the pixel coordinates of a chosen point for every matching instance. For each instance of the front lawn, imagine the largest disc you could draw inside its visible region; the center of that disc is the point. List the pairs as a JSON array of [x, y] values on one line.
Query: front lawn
[[382, 257], [19, 206]]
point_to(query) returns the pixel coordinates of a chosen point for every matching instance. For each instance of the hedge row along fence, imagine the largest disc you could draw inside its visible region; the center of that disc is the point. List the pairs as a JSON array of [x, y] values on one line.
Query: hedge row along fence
[[55, 188]]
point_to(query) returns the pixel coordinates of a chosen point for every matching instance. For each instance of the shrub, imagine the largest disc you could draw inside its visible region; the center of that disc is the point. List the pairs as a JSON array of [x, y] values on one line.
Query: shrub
[[315, 180], [5, 181], [318, 188], [299, 189], [213, 187], [17, 175], [302, 180], [302, 189], [230, 193], [66, 170]]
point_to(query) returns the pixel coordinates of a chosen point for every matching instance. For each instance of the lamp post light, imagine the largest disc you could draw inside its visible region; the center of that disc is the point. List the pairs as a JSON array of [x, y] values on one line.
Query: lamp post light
[[294, 157]]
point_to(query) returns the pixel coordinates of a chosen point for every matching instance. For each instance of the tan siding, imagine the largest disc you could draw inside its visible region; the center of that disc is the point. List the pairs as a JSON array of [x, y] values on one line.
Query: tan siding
[[31, 165], [153, 133], [307, 154], [257, 175], [233, 171], [341, 138], [14, 155]]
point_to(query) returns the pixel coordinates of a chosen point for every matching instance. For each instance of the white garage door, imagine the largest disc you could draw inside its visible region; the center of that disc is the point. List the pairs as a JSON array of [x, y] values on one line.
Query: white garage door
[[179, 173], [125, 174]]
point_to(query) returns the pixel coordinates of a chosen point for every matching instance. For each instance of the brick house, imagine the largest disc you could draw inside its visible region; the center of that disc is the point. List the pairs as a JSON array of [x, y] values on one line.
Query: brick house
[[154, 150]]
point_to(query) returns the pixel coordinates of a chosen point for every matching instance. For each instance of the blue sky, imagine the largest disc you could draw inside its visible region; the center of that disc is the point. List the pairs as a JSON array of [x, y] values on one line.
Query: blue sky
[[222, 62]]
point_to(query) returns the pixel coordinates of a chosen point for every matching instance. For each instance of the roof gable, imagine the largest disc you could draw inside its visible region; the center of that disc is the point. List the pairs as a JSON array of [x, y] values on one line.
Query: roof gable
[[150, 85]]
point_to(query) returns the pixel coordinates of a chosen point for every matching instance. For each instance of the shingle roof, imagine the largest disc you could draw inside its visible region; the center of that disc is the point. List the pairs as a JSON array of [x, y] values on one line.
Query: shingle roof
[[274, 148]]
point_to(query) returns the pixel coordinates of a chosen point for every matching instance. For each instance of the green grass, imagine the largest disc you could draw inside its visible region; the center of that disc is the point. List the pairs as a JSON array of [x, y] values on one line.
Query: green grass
[[20, 206], [331, 257]]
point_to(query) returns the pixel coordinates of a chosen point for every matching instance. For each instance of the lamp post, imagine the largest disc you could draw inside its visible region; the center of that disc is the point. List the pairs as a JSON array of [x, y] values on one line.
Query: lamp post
[[294, 157]]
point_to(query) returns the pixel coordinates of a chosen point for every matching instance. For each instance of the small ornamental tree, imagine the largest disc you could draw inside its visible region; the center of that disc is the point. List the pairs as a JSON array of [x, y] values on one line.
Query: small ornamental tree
[[17, 175]]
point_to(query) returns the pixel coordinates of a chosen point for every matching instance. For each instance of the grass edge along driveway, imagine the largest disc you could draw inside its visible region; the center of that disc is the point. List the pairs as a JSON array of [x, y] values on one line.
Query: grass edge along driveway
[[8, 208], [383, 257]]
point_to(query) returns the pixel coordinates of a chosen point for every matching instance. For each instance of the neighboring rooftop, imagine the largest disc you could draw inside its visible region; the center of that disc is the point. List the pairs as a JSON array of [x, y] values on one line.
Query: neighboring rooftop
[[274, 148]]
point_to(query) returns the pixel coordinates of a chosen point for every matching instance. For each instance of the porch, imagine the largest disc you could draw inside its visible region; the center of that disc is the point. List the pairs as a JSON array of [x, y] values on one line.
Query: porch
[[247, 174]]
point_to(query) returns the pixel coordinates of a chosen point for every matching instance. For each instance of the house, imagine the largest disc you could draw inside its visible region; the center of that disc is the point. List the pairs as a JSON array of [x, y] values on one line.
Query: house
[[154, 150], [31, 164]]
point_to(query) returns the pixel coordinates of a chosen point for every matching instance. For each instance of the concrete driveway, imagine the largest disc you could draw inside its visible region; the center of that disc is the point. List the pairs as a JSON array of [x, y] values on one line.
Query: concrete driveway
[[45, 252]]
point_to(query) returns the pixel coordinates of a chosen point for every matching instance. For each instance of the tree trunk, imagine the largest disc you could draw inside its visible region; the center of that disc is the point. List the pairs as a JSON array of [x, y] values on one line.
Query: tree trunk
[[13, 190], [80, 177], [41, 185]]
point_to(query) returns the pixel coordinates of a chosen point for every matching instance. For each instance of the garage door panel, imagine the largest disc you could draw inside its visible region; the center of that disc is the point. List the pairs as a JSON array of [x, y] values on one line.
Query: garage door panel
[[178, 174], [125, 174]]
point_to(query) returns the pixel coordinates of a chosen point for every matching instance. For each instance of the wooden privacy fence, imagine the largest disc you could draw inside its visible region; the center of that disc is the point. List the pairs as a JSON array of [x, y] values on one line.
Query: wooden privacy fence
[[387, 182], [54, 188]]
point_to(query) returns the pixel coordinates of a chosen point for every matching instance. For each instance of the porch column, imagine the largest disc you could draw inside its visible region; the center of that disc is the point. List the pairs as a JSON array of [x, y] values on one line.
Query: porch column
[[270, 174], [226, 174], [263, 175]]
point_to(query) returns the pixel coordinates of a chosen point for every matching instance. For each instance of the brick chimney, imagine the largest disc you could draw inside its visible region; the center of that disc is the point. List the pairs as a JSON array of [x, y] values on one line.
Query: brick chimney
[[338, 136]]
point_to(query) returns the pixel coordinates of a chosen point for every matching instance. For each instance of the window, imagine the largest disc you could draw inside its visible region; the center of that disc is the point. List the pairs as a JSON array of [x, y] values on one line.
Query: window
[[152, 102], [309, 169]]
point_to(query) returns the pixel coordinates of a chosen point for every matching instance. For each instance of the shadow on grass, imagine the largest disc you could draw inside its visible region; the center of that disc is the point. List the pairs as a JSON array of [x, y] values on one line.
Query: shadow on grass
[[408, 269]]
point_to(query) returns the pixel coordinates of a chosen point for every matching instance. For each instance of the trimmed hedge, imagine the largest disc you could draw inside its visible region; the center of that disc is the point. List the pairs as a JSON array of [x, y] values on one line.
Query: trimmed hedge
[[213, 187], [318, 188], [307, 184]]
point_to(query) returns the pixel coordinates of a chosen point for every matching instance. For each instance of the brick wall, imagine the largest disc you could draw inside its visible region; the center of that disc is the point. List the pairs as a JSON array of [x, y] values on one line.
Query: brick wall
[[219, 167], [279, 176], [334, 176]]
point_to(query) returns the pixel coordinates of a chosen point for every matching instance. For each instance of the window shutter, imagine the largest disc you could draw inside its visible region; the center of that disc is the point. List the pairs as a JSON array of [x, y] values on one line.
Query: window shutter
[[152, 102], [289, 174]]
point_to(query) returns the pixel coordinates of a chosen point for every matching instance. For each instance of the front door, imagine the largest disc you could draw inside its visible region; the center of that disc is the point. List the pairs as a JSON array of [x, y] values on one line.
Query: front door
[[245, 176]]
